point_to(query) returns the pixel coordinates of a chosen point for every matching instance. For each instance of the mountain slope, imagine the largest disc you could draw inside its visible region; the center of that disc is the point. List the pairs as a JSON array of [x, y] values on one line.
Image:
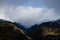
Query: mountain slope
[[10, 31], [45, 31]]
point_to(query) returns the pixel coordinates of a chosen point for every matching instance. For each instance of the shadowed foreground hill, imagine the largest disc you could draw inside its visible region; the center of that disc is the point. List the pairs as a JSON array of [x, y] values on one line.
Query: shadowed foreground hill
[[45, 31], [9, 31]]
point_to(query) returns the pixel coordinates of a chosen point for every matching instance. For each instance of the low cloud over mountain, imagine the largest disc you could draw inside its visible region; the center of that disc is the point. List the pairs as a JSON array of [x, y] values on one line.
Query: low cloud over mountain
[[29, 12]]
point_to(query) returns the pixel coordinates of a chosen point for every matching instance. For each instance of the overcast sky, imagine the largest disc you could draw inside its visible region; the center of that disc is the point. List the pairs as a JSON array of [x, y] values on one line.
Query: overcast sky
[[30, 12]]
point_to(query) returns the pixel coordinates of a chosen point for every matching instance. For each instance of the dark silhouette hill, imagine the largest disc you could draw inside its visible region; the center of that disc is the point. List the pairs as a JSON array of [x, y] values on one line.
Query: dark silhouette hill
[[45, 31], [11, 31]]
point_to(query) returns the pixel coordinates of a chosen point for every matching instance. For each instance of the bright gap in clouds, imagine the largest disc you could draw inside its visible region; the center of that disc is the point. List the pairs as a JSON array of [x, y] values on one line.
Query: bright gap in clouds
[[28, 16]]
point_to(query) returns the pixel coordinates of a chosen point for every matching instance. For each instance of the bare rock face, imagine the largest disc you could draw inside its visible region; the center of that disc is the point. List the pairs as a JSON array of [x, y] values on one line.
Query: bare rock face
[[9, 31]]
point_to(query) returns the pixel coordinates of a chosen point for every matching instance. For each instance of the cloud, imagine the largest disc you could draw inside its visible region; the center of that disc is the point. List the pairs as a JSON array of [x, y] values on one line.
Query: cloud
[[29, 12], [50, 3], [27, 15], [55, 4]]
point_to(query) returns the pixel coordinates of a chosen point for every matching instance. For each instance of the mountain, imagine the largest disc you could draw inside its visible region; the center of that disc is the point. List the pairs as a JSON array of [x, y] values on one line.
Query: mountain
[[45, 31], [58, 21], [20, 26], [12, 31], [15, 31]]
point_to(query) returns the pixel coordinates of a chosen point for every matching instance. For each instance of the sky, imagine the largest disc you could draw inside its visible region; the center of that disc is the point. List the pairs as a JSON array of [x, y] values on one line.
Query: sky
[[30, 12]]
